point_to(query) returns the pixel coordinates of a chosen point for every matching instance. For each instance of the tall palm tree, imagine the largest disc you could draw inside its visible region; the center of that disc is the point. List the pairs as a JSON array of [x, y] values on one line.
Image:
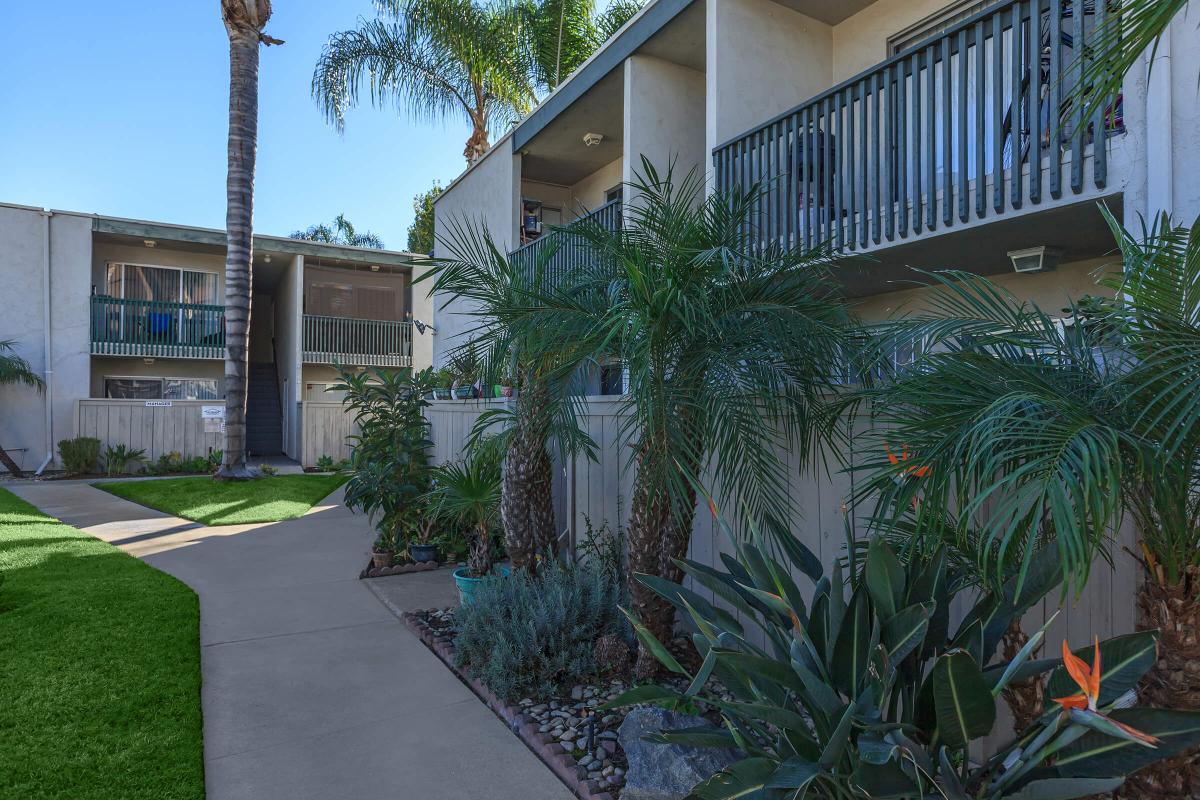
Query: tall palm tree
[[437, 59], [501, 294], [730, 348], [244, 22], [342, 232], [15, 371], [1041, 431], [562, 34]]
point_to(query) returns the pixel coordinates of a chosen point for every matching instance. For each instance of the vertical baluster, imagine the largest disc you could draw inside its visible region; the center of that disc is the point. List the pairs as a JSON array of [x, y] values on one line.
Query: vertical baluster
[[779, 154], [889, 161], [931, 137], [787, 168], [1035, 100], [812, 165], [1054, 101], [863, 131], [851, 197], [963, 174], [1099, 126], [980, 139], [916, 142], [901, 156], [766, 139], [998, 111], [827, 167], [797, 171], [1078, 124], [837, 134], [1016, 184], [874, 153], [947, 134]]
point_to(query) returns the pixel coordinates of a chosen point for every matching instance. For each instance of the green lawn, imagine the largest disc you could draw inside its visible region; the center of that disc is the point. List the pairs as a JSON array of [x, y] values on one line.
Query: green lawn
[[99, 668], [229, 503]]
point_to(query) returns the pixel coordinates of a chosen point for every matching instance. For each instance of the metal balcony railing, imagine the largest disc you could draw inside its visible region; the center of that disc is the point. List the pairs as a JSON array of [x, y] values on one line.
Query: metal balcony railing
[[156, 329], [357, 342], [563, 250], [970, 122]]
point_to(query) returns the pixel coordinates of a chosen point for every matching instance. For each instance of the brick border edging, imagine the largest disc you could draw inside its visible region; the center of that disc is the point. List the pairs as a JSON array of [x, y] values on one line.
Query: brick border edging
[[543, 745], [372, 571]]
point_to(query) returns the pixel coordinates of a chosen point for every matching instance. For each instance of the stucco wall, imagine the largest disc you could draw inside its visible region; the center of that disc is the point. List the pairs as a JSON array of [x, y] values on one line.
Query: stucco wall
[[112, 367], [488, 194], [24, 427], [860, 41], [288, 299], [663, 117], [762, 59], [161, 256], [588, 193]]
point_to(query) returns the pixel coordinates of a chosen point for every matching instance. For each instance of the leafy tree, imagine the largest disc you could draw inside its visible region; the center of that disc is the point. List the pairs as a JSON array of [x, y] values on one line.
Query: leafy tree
[[730, 348], [342, 232], [15, 371], [1039, 430], [244, 23], [420, 232], [436, 58]]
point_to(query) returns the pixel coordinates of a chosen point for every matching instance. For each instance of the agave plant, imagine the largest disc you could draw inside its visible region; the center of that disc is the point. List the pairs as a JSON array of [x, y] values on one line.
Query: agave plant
[[868, 691]]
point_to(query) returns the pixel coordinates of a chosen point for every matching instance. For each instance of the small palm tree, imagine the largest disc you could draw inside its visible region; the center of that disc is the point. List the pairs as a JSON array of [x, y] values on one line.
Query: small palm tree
[[502, 293], [342, 232], [468, 492], [15, 371], [1045, 431], [244, 22], [730, 348], [437, 58]]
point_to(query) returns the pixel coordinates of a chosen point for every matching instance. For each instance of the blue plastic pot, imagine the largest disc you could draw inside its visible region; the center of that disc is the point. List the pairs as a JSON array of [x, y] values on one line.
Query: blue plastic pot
[[467, 585]]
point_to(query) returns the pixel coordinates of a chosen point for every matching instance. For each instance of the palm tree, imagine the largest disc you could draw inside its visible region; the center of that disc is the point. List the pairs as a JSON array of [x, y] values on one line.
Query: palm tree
[[437, 58], [1041, 431], [502, 293], [730, 347], [468, 491], [562, 34], [244, 22], [342, 232], [15, 371]]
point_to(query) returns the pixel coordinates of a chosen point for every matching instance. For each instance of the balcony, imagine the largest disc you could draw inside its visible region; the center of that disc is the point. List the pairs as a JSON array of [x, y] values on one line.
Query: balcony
[[966, 127], [156, 329], [357, 342], [559, 249]]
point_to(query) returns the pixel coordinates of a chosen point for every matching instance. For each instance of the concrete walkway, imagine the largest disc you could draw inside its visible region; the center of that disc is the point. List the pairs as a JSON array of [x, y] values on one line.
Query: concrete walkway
[[312, 688]]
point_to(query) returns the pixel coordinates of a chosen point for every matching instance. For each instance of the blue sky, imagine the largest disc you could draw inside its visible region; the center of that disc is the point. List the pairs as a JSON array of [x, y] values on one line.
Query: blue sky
[[120, 108]]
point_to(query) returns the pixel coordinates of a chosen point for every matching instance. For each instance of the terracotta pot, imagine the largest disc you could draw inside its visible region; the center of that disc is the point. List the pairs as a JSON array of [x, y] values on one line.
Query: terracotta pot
[[506, 391], [382, 558]]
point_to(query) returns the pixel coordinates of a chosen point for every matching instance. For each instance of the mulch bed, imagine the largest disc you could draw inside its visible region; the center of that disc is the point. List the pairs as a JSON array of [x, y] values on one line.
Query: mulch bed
[[579, 745]]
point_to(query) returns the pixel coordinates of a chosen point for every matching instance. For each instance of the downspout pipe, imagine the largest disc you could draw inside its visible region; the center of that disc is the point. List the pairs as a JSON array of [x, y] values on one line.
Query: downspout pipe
[[48, 374]]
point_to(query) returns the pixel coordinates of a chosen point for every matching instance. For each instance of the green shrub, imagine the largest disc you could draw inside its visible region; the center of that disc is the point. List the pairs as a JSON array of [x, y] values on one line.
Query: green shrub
[[267, 470], [168, 463], [196, 464], [866, 690], [215, 457], [525, 636], [325, 463], [80, 455], [119, 459]]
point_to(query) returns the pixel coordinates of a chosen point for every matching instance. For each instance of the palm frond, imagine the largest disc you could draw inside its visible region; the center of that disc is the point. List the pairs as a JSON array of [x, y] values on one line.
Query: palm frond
[[14, 369]]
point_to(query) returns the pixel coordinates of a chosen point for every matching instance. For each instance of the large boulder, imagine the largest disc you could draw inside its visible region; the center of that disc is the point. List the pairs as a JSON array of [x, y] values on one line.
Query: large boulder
[[665, 771]]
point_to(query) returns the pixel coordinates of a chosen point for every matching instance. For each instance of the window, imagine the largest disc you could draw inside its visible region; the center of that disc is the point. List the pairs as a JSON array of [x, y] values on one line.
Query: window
[[163, 284], [612, 379], [162, 388], [613, 194]]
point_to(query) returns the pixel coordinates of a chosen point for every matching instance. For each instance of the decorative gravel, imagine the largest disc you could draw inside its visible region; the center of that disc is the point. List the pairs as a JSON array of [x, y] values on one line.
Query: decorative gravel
[[568, 725]]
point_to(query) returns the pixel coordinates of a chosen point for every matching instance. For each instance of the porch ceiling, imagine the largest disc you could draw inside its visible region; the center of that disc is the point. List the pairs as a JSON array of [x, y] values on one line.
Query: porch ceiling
[[1078, 229], [831, 12], [558, 155]]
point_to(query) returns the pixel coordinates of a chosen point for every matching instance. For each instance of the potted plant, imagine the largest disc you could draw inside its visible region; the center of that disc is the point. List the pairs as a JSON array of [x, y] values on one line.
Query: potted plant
[[422, 548], [468, 492], [383, 551], [465, 367], [443, 379]]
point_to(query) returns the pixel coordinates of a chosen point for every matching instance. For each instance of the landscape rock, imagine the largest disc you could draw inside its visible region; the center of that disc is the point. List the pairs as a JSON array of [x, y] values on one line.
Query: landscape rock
[[665, 771]]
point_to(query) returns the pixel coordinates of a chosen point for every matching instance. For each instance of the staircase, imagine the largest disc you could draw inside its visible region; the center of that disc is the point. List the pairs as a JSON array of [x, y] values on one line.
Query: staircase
[[264, 429]]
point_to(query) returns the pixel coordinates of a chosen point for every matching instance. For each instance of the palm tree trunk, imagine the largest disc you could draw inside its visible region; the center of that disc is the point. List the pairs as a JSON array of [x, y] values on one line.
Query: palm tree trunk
[[1173, 682], [1024, 698], [239, 190], [479, 560], [658, 533], [477, 145], [9, 464], [526, 504]]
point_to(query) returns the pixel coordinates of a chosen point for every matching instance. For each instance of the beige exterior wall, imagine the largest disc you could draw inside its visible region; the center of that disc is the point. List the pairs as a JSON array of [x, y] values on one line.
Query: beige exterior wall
[[487, 194], [289, 297], [860, 42], [1051, 291], [116, 367], [663, 117], [588, 193], [57, 346], [157, 256]]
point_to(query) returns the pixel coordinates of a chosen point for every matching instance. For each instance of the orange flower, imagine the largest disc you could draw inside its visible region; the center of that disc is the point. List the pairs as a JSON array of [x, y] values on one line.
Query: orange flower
[[919, 472], [1087, 700]]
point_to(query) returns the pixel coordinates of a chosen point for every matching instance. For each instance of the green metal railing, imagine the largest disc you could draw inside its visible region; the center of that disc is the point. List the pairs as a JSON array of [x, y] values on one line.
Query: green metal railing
[[156, 329], [567, 249], [358, 342]]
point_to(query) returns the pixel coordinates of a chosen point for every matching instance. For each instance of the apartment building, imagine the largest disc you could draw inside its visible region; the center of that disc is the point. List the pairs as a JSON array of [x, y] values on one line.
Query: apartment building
[[125, 320], [906, 133]]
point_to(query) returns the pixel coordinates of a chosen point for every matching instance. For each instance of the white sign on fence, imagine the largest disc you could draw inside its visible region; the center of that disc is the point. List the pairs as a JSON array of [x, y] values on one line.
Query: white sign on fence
[[212, 412], [158, 404]]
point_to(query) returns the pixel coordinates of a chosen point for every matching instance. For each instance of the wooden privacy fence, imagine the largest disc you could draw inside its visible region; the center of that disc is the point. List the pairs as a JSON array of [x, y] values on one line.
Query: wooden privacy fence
[[156, 426], [599, 490], [324, 431]]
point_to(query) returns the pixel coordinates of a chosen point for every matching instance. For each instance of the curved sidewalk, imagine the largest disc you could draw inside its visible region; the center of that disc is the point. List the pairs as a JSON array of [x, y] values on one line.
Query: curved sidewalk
[[312, 689]]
